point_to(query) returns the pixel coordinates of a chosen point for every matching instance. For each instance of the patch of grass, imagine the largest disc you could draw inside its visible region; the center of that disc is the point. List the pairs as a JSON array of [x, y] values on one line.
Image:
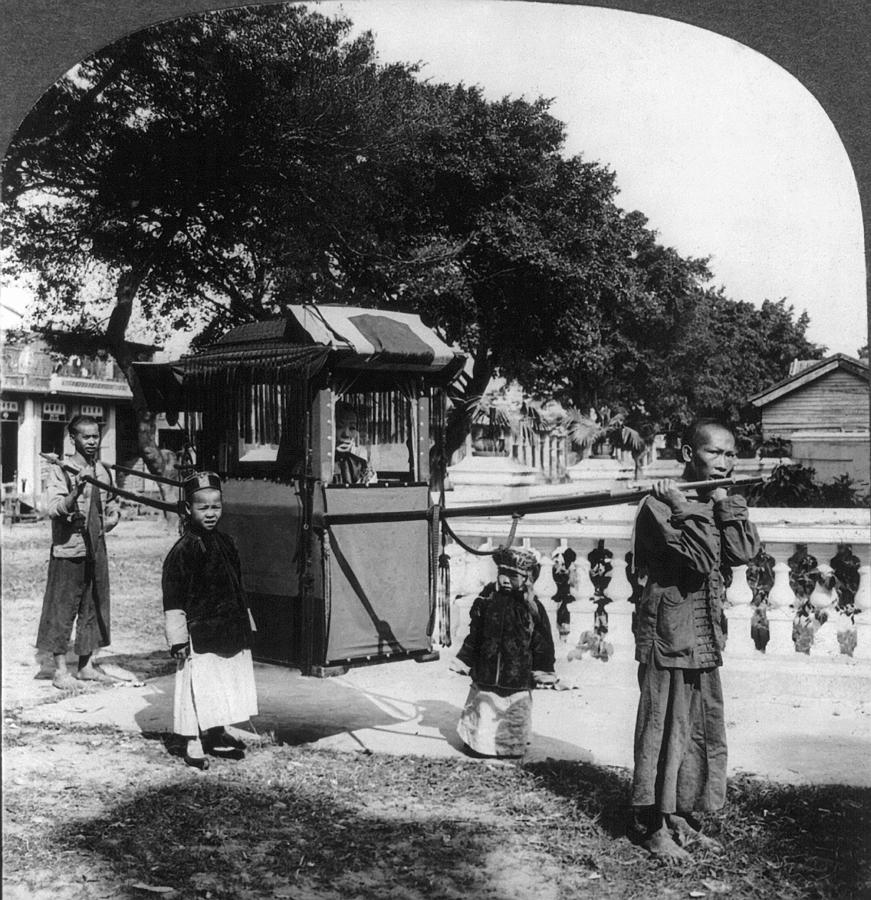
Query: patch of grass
[[293, 822], [136, 548], [93, 811]]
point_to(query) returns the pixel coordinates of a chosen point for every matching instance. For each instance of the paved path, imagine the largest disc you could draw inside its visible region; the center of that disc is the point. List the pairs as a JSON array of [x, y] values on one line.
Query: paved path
[[800, 720]]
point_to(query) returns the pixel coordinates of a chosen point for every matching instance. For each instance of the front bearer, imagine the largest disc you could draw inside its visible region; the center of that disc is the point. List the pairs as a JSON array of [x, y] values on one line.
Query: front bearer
[[685, 547], [77, 589]]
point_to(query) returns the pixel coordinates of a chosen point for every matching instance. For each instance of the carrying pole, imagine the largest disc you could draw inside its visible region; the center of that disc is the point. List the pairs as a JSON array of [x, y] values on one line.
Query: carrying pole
[[126, 470], [523, 507], [164, 505], [586, 501]]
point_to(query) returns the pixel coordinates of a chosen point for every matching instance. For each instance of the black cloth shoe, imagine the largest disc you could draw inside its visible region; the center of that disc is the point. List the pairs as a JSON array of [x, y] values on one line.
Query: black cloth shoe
[[222, 741]]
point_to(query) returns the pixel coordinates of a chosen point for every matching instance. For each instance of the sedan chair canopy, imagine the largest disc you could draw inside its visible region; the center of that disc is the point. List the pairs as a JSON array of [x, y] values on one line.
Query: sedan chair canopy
[[260, 405]]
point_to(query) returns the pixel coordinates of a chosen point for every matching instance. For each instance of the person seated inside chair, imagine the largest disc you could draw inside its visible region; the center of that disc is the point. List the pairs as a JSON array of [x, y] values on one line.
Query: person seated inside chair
[[351, 461]]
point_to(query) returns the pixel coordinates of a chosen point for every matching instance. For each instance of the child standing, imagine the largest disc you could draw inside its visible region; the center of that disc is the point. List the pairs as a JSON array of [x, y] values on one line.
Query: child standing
[[508, 651], [208, 628]]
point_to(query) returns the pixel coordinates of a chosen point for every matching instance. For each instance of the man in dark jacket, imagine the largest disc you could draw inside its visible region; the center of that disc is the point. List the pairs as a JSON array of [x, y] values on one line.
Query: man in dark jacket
[[686, 546], [77, 588]]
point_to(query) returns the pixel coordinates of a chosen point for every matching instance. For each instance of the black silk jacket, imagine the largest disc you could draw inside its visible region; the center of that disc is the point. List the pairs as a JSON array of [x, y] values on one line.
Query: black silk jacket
[[506, 642], [202, 577], [688, 558]]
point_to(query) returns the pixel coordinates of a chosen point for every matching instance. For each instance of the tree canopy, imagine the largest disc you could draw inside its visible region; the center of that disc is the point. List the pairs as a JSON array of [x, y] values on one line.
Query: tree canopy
[[217, 168]]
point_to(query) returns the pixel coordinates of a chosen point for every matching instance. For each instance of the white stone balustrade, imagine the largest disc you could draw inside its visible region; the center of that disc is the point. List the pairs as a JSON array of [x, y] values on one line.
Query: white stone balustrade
[[780, 529]]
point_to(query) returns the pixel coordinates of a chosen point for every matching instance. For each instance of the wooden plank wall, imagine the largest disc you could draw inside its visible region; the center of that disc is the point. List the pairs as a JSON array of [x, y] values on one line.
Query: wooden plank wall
[[838, 400]]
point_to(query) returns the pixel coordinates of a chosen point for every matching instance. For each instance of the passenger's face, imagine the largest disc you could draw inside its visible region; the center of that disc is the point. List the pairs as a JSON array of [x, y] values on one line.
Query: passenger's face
[[86, 440], [713, 456], [347, 434], [205, 508]]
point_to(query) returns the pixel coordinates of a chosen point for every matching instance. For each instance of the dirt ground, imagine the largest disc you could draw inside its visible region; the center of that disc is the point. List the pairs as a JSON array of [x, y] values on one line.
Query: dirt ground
[[98, 811]]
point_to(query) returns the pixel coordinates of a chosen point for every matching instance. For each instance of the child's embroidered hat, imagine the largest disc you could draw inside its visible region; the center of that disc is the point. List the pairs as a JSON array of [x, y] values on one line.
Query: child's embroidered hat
[[515, 559], [200, 481]]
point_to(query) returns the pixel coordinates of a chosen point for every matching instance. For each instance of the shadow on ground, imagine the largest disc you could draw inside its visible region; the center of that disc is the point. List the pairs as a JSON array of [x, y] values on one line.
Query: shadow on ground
[[599, 793], [322, 825], [223, 839], [780, 835], [152, 664], [293, 709]]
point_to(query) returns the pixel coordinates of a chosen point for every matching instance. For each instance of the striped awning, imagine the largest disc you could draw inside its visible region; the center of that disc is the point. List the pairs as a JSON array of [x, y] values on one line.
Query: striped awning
[[376, 336], [359, 337], [294, 348]]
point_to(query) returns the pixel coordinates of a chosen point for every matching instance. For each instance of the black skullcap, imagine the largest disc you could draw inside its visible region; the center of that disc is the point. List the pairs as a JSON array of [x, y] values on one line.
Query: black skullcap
[[200, 481]]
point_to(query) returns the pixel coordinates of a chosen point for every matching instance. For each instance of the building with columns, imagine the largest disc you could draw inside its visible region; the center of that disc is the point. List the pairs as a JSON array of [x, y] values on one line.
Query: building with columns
[[41, 391]]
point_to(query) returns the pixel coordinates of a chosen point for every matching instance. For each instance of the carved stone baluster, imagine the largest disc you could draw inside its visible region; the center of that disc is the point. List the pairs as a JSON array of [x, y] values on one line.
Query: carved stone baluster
[[545, 587], [620, 611], [459, 569], [862, 605], [485, 568], [598, 639], [462, 590], [759, 578], [476, 572], [585, 586], [620, 590], [564, 575], [780, 613], [863, 592], [738, 613], [803, 578], [739, 592], [823, 600], [781, 594]]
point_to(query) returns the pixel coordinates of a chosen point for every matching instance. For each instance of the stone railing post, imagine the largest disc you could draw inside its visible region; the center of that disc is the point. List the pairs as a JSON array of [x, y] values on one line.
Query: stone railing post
[[545, 586], [474, 572], [863, 614], [780, 612], [620, 609], [824, 599], [738, 614], [823, 531]]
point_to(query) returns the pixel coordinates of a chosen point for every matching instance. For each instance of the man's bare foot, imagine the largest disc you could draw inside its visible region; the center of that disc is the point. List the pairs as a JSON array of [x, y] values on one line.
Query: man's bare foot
[[63, 681], [92, 673], [661, 845], [686, 834]]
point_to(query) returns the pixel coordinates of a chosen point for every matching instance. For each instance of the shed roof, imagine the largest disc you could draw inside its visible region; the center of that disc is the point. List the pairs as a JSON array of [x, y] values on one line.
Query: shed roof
[[810, 374]]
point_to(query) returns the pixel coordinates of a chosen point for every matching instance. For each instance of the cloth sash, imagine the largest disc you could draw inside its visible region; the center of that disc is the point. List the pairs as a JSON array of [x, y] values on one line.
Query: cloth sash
[[99, 560]]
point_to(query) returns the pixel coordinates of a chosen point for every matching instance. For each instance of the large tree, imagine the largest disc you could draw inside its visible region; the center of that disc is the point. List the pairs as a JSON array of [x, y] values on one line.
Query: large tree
[[726, 351], [216, 168]]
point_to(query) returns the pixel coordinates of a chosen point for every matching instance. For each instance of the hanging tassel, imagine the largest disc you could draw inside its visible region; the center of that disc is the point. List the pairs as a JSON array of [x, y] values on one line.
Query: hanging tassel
[[440, 574], [443, 598]]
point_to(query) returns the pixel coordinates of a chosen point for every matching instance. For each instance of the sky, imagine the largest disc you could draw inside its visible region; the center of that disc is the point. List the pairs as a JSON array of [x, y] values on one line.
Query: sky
[[727, 155]]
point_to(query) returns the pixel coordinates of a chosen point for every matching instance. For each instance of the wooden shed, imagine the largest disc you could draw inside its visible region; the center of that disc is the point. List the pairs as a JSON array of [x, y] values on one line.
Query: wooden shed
[[822, 408]]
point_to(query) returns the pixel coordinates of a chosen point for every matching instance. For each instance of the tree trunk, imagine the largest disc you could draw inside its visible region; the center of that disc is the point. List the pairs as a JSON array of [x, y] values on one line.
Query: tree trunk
[[459, 423], [119, 347]]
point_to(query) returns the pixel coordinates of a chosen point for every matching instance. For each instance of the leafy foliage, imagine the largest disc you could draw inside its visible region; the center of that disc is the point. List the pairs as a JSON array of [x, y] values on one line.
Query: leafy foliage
[[214, 169], [795, 485]]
